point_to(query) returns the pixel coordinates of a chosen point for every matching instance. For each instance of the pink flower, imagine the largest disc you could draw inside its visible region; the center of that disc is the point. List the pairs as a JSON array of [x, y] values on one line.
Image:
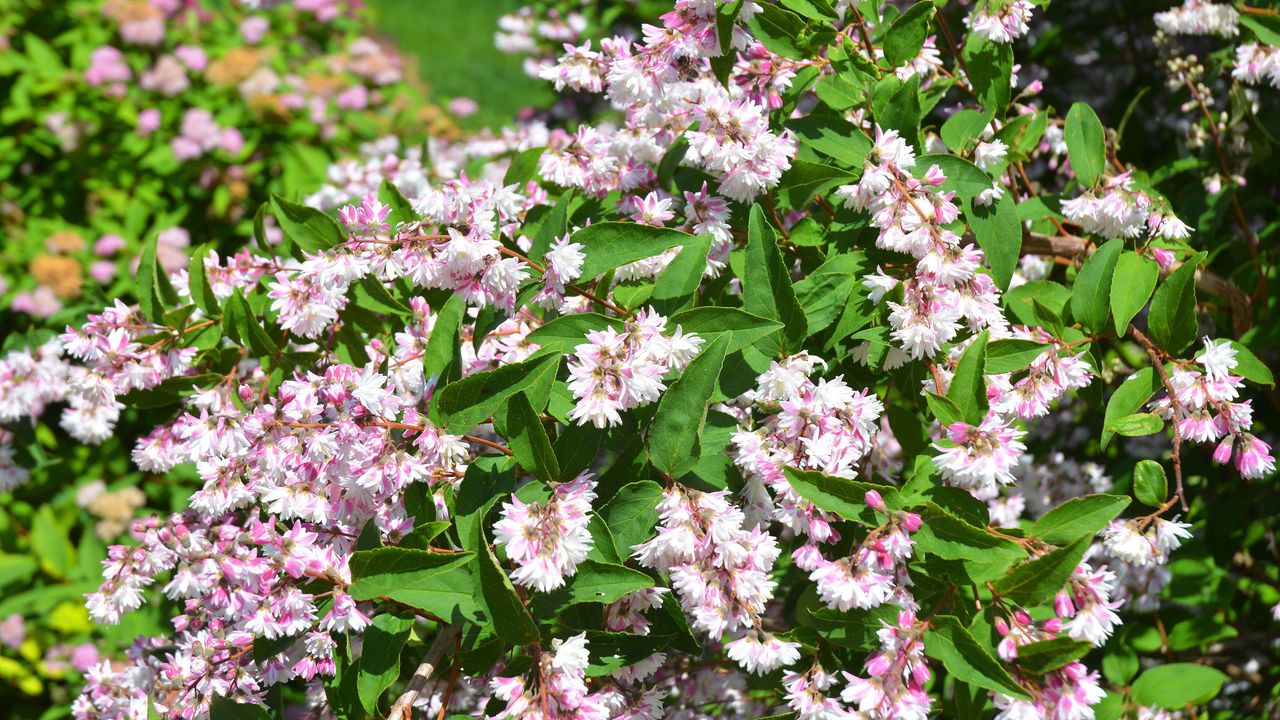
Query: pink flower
[[547, 540], [254, 28], [108, 245], [463, 106], [232, 141], [102, 271], [13, 631], [148, 121], [107, 65], [355, 97]]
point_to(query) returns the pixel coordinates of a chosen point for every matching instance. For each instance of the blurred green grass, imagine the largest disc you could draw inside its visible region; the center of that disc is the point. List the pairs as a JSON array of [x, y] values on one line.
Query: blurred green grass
[[453, 43]]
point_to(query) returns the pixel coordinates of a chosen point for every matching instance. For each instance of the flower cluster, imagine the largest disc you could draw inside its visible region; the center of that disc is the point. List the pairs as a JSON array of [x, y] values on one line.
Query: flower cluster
[[912, 216], [879, 440], [1203, 402], [824, 426], [1001, 21], [615, 371], [1120, 209], [1198, 17], [547, 540], [721, 573]]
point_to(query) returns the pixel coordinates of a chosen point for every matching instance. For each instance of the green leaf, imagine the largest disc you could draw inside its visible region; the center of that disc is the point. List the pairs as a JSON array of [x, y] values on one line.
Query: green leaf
[[990, 71], [948, 537], [968, 388], [1249, 367], [671, 159], [1132, 394], [242, 326], [1086, 143], [999, 233], [307, 228], [566, 332], [965, 659], [1038, 580], [1021, 301], [1136, 425], [1150, 485], [1046, 656], [632, 515], [896, 105], [371, 294], [1090, 296], [443, 349], [528, 439], [677, 287], [401, 209], [907, 33], [198, 283], [813, 9], [611, 651], [726, 18], [523, 167], [946, 411], [842, 496], [778, 28], [964, 128], [806, 180], [675, 434], [387, 570], [963, 177], [152, 284], [709, 323], [1080, 517], [1265, 27], [50, 544], [469, 401], [554, 225], [1012, 355], [834, 137], [16, 568], [1137, 277], [442, 584], [766, 282], [511, 619], [1177, 685], [223, 708], [598, 582], [379, 664], [609, 245], [1173, 308]]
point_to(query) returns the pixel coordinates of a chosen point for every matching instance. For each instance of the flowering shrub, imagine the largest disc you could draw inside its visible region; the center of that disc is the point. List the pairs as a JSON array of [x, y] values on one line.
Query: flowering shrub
[[830, 375], [129, 118]]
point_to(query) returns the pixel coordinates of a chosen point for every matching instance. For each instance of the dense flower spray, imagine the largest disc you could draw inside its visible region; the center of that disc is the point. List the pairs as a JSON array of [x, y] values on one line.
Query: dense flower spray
[[577, 434]]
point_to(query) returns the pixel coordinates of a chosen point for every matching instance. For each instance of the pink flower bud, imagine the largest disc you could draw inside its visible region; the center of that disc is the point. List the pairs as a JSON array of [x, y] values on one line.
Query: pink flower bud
[[875, 501], [1062, 605], [1222, 454], [911, 522]]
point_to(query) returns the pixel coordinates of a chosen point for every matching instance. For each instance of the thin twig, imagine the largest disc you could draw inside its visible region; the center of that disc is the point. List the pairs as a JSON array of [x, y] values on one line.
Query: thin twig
[[403, 708], [1178, 411]]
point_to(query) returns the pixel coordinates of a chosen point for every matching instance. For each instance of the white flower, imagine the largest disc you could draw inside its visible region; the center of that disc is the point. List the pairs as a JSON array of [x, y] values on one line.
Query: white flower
[[1218, 359]]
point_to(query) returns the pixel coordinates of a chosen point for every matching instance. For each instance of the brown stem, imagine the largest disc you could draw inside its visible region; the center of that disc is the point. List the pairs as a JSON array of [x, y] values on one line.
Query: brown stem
[[488, 443], [1237, 211], [773, 213], [580, 291], [1178, 411], [403, 708]]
